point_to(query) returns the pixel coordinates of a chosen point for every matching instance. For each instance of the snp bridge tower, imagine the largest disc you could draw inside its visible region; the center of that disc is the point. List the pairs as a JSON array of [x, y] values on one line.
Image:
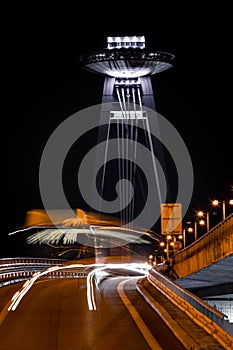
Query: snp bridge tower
[[127, 66]]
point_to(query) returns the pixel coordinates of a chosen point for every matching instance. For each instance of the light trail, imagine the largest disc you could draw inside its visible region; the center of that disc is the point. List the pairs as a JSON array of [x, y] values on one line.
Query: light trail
[[29, 283], [98, 268], [142, 268]]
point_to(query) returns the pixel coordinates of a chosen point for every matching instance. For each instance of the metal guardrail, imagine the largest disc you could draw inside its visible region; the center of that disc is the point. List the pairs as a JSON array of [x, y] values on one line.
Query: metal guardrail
[[13, 270], [196, 302], [30, 260], [19, 277], [22, 267], [172, 290]]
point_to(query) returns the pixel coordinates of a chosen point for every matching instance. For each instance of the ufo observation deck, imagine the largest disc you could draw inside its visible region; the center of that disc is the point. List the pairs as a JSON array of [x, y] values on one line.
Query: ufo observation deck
[[127, 57]]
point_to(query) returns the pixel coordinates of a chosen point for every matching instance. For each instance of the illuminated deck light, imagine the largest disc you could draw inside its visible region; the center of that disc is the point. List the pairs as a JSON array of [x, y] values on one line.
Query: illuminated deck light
[[127, 56], [126, 42]]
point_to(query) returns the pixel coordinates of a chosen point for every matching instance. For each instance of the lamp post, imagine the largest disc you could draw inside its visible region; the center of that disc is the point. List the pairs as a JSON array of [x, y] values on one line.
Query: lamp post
[[190, 230], [201, 215], [169, 243], [162, 245], [195, 230], [207, 221], [217, 203], [184, 238], [168, 238], [199, 219]]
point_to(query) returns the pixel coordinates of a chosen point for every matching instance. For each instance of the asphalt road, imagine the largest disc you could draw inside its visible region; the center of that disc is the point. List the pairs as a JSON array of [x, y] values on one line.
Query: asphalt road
[[54, 315]]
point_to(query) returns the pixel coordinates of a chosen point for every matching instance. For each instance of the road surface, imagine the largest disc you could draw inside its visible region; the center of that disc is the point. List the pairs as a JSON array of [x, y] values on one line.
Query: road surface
[[54, 315]]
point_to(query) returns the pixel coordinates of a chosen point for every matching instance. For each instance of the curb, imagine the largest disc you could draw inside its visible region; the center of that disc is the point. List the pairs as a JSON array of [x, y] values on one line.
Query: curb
[[188, 342]]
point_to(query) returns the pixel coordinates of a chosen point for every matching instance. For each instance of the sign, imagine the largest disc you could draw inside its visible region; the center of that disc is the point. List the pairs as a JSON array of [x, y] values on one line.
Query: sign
[[171, 219]]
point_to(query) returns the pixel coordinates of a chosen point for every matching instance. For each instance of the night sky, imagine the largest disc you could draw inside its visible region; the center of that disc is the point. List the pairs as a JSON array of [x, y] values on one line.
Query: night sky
[[46, 84]]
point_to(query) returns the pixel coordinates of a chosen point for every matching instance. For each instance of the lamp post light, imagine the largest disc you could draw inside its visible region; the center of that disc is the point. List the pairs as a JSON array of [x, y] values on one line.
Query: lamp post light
[[169, 238], [190, 230], [166, 245], [162, 245], [216, 203], [171, 245], [202, 222]]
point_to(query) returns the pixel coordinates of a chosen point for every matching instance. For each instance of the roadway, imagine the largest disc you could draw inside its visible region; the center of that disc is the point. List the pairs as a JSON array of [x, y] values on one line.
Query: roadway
[[54, 314]]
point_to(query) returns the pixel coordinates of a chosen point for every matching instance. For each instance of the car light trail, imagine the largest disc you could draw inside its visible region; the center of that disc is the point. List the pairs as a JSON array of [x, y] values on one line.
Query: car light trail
[[98, 269], [142, 268], [15, 295], [29, 283]]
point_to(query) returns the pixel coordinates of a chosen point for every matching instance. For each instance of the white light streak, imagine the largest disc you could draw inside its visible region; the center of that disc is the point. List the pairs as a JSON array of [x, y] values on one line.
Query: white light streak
[[15, 295], [98, 269], [29, 283], [136, 267], [70, 235]]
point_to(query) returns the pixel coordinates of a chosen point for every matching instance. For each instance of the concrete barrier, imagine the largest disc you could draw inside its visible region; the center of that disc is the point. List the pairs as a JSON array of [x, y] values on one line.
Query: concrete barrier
[[207, 317]]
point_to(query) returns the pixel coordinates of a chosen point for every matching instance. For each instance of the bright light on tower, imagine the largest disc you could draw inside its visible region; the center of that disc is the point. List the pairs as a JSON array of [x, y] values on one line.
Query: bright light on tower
[[127, 57]]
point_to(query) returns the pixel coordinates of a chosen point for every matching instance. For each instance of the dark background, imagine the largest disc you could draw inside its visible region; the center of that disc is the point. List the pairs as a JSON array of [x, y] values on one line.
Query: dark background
[[45, 84]]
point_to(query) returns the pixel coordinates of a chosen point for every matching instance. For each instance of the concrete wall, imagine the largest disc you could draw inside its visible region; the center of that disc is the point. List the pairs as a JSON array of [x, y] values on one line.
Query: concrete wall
[[212, 247]]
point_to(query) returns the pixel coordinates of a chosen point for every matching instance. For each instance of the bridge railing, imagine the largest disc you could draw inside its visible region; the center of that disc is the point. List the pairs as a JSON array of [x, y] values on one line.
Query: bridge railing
[[195, 307], [30, 260], [13, 270], [21, 276], [221, 234]]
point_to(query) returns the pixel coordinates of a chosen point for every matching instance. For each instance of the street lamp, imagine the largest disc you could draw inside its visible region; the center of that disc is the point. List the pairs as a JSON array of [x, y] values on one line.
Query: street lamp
[[169, 238], [201, 215], [190, 230], [199, 219], [162, 245], [167, 244], [216, 203]]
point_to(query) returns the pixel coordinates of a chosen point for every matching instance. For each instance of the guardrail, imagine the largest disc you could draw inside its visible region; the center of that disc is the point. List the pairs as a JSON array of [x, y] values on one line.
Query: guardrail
[[13, 270], [30, 260], [212, 320], [20, 277]]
